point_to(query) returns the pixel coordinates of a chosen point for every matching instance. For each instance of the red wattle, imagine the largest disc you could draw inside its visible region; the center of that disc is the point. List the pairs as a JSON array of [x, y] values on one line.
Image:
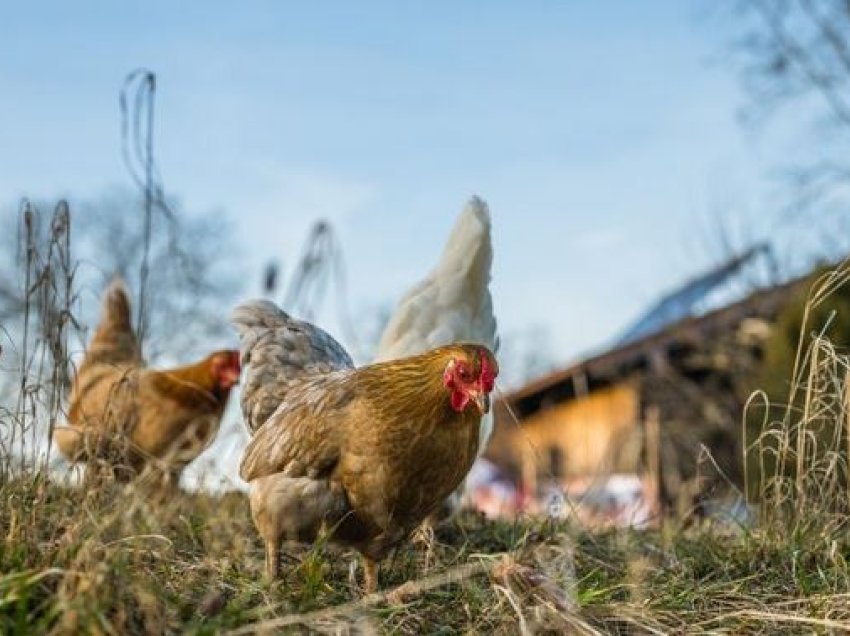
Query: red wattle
[[459, 400]]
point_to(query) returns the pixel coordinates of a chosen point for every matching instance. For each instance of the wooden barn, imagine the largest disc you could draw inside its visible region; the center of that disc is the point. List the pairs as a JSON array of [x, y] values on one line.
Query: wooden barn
[[672, 388]]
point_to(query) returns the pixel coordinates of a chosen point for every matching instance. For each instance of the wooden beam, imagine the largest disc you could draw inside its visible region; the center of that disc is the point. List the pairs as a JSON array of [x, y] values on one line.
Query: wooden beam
[[652, 446]]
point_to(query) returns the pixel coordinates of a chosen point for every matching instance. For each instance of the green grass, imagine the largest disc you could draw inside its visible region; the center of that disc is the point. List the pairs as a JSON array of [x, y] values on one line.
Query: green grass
[[107, 561]]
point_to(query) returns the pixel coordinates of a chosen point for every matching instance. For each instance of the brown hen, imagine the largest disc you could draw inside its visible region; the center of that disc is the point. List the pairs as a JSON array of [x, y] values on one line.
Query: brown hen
[[133, 418], [366, 453]]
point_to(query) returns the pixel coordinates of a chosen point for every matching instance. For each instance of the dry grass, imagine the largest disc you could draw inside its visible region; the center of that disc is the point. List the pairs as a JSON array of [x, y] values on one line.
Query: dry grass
[[108, 560]]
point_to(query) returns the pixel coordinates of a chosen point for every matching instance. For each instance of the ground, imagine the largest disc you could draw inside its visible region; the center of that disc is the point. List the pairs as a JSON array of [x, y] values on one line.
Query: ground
[[108, 561]]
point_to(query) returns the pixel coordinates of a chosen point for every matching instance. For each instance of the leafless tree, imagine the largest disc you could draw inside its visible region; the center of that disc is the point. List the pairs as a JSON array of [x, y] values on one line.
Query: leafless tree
[[795, 61], [192, 272]]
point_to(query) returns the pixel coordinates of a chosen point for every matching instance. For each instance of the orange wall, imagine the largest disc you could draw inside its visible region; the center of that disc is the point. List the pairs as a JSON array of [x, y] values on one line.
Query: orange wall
[[596, 434]]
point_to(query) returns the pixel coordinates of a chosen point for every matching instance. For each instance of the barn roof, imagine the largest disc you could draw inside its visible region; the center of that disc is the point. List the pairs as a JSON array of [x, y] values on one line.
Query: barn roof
[[729, 282], [636, 350]]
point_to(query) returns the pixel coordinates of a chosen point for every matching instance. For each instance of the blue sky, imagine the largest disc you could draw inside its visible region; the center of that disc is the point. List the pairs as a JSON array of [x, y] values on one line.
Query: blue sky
[[604, 136]]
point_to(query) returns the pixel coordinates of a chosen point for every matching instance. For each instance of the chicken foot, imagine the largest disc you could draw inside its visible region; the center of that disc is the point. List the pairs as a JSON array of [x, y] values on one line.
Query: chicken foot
[[272, 558], [370, 575]]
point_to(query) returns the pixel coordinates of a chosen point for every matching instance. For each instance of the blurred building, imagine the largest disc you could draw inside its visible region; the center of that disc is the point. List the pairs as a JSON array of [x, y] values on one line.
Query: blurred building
[[655, 420]]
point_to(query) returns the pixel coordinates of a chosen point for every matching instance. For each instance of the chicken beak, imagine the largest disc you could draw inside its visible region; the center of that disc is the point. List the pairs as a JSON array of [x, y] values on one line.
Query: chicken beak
[[482, 401]]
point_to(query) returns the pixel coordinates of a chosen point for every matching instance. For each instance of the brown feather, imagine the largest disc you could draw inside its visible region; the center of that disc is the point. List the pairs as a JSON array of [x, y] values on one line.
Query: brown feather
[[124, 413], [384, 437]]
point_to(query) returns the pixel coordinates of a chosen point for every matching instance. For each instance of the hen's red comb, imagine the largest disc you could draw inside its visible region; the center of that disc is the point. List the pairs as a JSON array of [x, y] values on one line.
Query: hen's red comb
[[488, 373]]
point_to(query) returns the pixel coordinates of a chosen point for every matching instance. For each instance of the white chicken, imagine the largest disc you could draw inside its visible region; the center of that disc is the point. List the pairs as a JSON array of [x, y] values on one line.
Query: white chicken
[[452, 304]]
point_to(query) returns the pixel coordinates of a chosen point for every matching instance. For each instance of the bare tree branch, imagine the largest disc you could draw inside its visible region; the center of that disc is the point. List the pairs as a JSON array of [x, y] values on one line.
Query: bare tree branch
[[802, 56]]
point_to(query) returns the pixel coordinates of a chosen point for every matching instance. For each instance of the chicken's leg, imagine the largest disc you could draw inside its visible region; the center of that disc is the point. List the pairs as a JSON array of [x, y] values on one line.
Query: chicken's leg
[[272, 558], [424, 536], [370, 575]]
